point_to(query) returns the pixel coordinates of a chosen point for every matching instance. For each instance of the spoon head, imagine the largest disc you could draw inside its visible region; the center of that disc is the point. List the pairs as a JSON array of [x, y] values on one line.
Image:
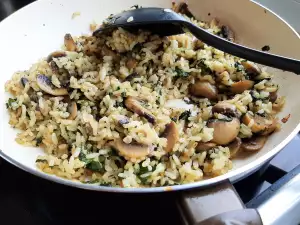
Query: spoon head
[[164, 22]]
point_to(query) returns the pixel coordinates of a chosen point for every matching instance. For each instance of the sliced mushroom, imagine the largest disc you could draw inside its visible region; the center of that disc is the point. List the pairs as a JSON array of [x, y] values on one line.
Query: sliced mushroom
[[241, 86], [46, 85], [134, 104], [234, 147], [182, 8], [226, 109], [72, 109], [131, 63], [56, 54], [273, 96], [254, 144], [132, 151], [69, 43], [251, 67], [203, 89], [172, 136], [205, 146], [224, 131], [259, 124], [24, 81]]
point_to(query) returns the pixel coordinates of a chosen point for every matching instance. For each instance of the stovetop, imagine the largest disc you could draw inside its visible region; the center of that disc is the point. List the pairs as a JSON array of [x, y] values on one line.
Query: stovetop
[[26, 199]]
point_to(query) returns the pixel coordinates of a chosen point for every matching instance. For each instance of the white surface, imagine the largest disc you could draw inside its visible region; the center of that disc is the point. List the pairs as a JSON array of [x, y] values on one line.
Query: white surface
[[287, 9], [48, 20]]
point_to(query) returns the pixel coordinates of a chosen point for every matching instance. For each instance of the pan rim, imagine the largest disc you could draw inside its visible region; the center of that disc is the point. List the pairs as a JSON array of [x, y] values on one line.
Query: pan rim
[[200, 184]]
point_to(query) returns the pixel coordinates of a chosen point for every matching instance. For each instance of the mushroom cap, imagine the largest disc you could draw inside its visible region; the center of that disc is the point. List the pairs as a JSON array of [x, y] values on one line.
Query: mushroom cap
[[172, 136], [72, 109], [224, 131], [251, 67], [205, 146], [254, 143], [134, 104], [203, 89], [225, 108], [234, 147], [133, 152], [46, 85], [241, 86]]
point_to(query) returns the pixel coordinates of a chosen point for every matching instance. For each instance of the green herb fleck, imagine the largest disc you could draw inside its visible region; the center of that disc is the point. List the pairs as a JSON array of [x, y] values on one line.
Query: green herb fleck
[[10, 102], [95, 166], [238, 66], [118, 88], [181, 73], [123, 94], [204, 68], [185, 115]]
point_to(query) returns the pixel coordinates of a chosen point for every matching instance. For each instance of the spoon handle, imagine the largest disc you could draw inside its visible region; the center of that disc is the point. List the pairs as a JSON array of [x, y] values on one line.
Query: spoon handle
[[250, 54]]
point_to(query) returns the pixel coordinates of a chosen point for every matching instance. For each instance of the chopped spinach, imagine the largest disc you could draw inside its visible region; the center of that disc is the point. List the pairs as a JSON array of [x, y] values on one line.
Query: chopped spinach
[[181, 73], [123, 94], [185, 115], [92, 164], [266, 48], [10, 102], [204, 68], [95, 166], [142, 171], [238, 66]]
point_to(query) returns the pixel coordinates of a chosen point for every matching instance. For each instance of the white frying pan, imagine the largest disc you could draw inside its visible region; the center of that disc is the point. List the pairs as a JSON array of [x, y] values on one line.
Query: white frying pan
[[37, 29]]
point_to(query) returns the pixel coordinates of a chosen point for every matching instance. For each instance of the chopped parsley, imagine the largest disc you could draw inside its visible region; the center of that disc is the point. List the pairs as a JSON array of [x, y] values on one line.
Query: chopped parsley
[[204, 68], [181, 73], [185, 115], [10, 103], [142, 171], [238, 66], [92, 164]]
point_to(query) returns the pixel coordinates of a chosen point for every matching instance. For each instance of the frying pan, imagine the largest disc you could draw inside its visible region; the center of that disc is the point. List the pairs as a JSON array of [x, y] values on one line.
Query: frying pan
[[37, 29]]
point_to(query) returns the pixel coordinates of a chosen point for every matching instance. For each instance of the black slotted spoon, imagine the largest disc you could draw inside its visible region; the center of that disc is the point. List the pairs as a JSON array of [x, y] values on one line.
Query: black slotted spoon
[[166, 22]]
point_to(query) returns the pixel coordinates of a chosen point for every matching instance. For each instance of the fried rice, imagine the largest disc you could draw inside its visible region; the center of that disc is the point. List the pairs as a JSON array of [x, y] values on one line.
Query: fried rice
[[138, 110]]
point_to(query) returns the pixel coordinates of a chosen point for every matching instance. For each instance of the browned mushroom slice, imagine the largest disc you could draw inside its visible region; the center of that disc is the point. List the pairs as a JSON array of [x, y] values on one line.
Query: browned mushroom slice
[[205, 146], [234, 147], [241, 86], [203, 89], [225, 108], [131, 63], [134, 105], [251, 68], [273, 96], [254, 143], [271, 128], [69, 43], [182, 8], [72, 109], [172, 136], [56, 54], [259, 124], [224, 131], [46, 85], [132, 151]]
